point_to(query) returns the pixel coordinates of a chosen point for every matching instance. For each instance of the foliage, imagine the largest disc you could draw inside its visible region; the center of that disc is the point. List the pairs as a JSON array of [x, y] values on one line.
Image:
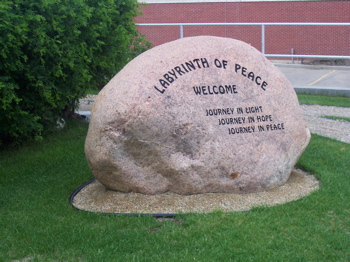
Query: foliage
[[52, 51], [15, 122]]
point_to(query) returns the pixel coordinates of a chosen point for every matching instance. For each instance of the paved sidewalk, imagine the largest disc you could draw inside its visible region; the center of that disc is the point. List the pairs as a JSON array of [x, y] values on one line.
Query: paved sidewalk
[[318, 79]]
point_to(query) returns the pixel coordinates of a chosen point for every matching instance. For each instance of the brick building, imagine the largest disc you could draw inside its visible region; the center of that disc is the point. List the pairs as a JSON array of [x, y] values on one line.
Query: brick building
[[305, 40]]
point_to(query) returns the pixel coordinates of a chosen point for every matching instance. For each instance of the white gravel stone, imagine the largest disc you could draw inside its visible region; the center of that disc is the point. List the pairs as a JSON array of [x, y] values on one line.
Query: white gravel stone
[[96, 198], [197, 115]]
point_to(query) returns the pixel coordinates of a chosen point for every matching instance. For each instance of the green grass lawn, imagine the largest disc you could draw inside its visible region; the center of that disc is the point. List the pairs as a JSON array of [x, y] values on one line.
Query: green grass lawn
[[37, 223], [343, 101], [338, 118]]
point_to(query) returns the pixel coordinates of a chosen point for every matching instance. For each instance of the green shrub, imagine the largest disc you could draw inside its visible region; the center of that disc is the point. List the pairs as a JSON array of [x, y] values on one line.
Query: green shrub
[[52, 51]]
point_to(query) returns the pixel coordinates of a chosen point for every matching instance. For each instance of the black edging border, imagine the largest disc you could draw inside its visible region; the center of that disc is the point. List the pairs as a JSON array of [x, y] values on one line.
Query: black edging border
[[76, 191]]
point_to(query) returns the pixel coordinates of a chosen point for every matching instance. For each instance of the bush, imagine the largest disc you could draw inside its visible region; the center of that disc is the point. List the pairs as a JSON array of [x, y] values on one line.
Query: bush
[[52, 51]]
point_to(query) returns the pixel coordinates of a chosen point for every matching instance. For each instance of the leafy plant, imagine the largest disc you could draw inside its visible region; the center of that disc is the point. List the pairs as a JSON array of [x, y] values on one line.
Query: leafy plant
[[52, 51]]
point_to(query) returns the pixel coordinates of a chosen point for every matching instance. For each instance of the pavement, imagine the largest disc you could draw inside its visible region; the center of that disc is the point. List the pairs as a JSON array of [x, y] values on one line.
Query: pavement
[[318, 79]]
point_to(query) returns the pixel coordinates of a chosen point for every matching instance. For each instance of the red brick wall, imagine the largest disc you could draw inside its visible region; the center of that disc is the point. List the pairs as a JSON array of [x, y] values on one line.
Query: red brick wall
[[307, 40]]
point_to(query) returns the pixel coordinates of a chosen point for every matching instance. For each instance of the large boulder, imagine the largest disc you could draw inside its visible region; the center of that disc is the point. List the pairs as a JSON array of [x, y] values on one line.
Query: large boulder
[[196, 115]]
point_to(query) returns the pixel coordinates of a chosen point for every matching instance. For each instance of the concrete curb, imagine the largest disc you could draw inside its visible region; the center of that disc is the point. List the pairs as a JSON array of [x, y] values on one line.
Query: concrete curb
[[319, 90], [84, 113]]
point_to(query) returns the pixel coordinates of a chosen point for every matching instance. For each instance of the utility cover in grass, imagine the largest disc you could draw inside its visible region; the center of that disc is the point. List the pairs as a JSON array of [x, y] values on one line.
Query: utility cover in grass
[[197, 115]]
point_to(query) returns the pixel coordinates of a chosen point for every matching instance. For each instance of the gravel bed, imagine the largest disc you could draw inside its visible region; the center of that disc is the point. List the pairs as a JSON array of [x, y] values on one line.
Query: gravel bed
[[96, 198], [332, 128]]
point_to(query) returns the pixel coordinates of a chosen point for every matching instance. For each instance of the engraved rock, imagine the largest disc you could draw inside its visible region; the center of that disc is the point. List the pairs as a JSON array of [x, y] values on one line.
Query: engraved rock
[[200, 114]]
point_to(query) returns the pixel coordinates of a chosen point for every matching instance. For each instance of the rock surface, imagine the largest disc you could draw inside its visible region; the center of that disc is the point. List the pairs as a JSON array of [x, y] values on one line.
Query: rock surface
[[197, 115]]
